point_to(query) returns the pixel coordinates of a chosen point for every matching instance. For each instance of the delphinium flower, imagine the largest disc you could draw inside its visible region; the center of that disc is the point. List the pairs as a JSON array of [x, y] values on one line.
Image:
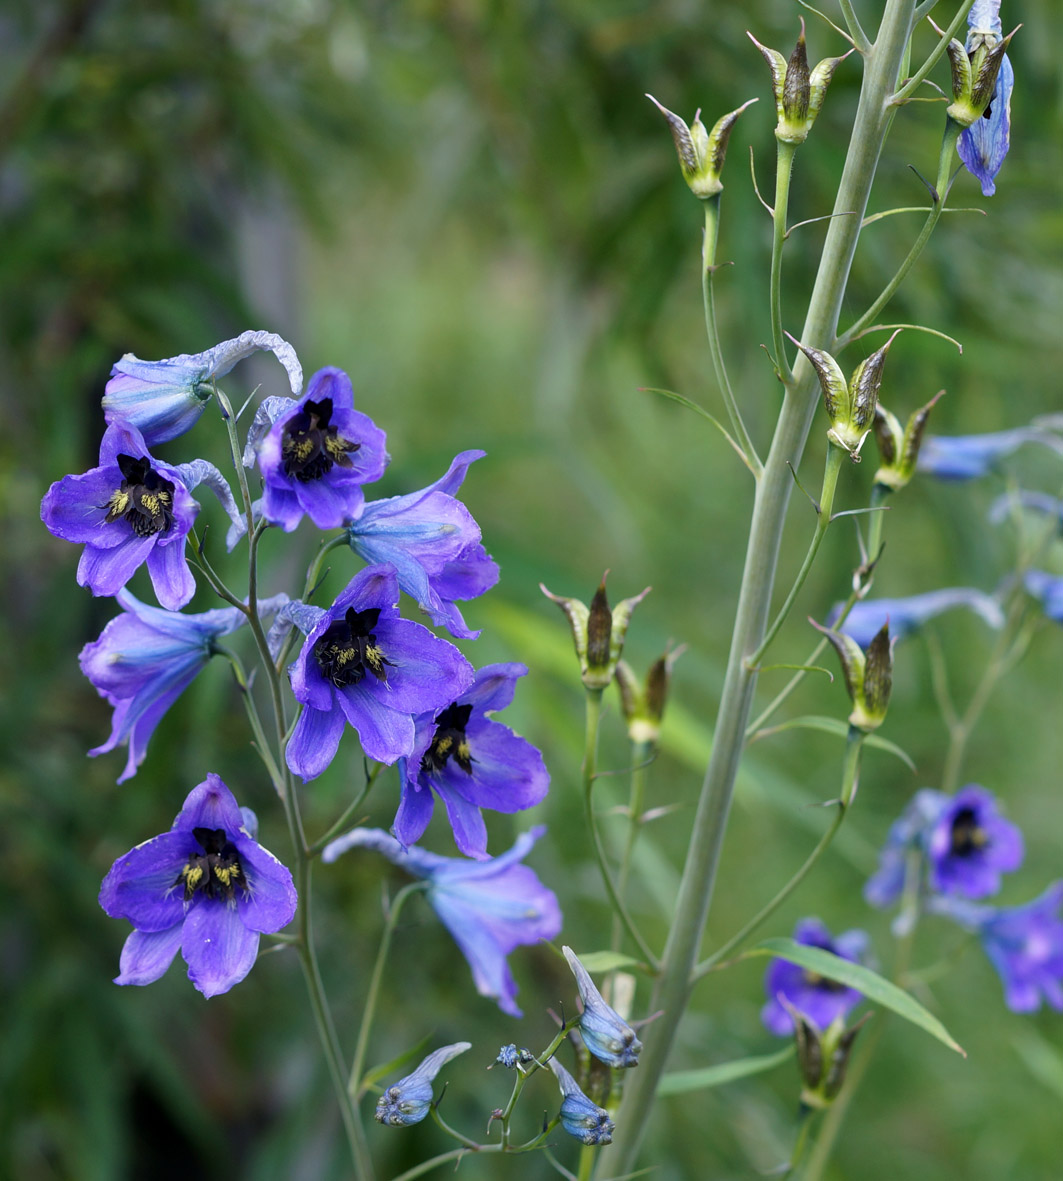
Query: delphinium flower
[[1048, 589], [408, 1101], [967, 457], [489, 907], [969, 845], [470, 762], [905, 839], [145, 659], [1041, 503], [315, 453], [130, 510], [983, 145], [819, 998], [908, 614], [433, 542], [605, 1033], [362, 662], [163, 399], [580, 1116], [206, 888]]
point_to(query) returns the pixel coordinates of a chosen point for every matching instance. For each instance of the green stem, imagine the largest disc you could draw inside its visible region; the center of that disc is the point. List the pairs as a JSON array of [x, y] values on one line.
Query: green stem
[[850, 775], [835, 456], [354, 1083], [641, 754], [936, 54], [708, 295], [335, 829], [856, 30], [771, 498], [784, 164]]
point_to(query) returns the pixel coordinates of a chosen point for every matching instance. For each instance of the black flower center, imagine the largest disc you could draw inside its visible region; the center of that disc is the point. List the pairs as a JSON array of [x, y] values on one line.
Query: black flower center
[[822, 983], [311, 444], [968, 836], [348, 649], [449, 740], [144, 498], [216, 872]]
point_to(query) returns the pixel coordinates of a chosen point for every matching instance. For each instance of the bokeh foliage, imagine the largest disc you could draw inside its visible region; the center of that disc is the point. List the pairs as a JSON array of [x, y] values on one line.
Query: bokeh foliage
[[470, 207]]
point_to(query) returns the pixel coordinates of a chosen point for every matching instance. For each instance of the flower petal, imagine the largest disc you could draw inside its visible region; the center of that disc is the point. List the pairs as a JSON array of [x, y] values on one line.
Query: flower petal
[[218, 948], [147, 955], [314, 741]]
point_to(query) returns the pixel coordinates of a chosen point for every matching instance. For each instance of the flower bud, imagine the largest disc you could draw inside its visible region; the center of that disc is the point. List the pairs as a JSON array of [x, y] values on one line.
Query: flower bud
[[408, 1101], [643, 705], [868, 674], [701, 152], [798, 93], [822, 1055], [597, 632], [605, 1033], [581, 1117], [850, 405], [899, 447]]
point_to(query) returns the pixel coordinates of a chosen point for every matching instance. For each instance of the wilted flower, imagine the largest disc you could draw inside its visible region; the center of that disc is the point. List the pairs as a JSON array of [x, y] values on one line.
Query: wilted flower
[[408, 1101], [315, 454], [868, 674], [163, 399], [434, 544], [470, 762], [605, 1033], [701, 152], [597, 632], [798, 93], [130, 510], [1048, 588], [817, 997], [581, 1117], [898, 446], [908, 614], [206, 887], [363, 663], [145, 659], [966, 457], [489, 907]]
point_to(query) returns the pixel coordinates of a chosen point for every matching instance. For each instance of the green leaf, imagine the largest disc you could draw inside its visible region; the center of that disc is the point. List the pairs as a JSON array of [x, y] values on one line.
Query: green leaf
[[682, 1081], [841, 729], [875, 987], [608, 961], [385, 1068]]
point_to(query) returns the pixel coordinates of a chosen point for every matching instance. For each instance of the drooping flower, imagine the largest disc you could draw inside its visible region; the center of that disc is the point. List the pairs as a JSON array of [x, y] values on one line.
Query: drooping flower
[[908, 614], [433, 542], [819, 998], [315, 453], [145, 659], [362, 662], [1048, 589], [489, 907], [470, 762], [966, 457], [969, 845], [605, 1033], [580, 1116], [983, 143], [163, 399], [206, 888], [906, 838], [408, 1101], [130, 510]]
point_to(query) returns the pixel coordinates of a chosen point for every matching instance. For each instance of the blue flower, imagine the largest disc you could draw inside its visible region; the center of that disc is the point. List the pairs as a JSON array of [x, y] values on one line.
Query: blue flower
[[967, 457], [362, 662], [130, 510], [144, 660], [605, 1033], [315, 454], [408, 1101], [581, 1117], [908, 614], [969, 845], [818, 998], [489, 907], [206, 888], [470, 762], [983, 145], [1048, 588], [906, 837], [434, 544], [163, 399]]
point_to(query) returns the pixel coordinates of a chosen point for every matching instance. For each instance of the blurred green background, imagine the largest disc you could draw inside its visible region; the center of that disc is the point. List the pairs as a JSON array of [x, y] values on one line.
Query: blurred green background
[[471, 207]]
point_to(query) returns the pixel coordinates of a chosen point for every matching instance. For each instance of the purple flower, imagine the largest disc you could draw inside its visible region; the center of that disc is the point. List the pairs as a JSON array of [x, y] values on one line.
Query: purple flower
[[969, 845], [489, 907], [144, 660], [315, 454], [163, 399], [408, 1101], [983, 146], [818, 998], [906, 837], [206, 887], [363, 663], [966, 457], [434, 544], [470, 762], [605, 1033], [908, 614], [1049, 590], [130, 510], [581, 1116]]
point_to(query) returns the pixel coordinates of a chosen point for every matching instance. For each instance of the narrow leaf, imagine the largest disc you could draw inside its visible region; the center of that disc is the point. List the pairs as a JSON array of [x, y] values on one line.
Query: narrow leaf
[[683, 401], [681, 1082], [838, 727], [608, 961], [385, 1068]]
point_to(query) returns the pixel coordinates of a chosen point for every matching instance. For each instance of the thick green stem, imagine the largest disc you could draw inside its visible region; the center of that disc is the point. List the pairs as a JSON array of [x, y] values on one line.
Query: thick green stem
[[672, 992], [784, 165]]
